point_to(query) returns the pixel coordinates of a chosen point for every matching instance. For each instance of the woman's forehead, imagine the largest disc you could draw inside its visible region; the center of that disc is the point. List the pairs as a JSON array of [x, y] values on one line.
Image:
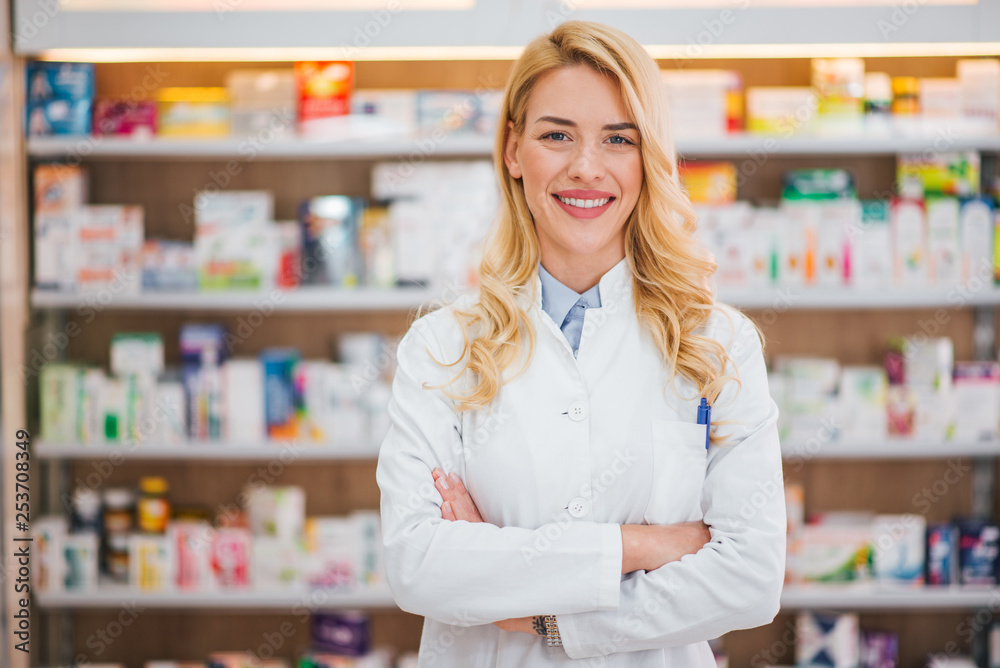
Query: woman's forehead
[[579, 94]]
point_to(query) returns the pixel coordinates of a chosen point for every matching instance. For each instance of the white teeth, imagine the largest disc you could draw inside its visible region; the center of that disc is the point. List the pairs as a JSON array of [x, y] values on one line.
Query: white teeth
[[584, 203]]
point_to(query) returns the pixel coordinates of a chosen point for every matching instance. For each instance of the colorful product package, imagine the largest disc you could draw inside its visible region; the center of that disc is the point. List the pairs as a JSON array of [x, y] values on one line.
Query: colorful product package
[[324, 92], [330, 240], [276, 564], [243, 401], [797, 244], [171, 404], [707, 103], [344, 633], [446, 111], [944, 260], [125, 118], [862, 403], [276, 512], [835, 553], [59, 396], [232, 208], [59, 187], [168, 265], [80, 550], [953, 173], [976, 234], [110, 239], [837, 225], [49, 564], [827, 639], [192, 542], [65, 81], [764, 248], [151, 562], [871, 247], [978, 547], [138, 353], [781, 110], [332, 548], [201, 344], [58, 117], [898, 544], [942, 554], [56, 249], [709, 182], [193, 112], [231, 554], [909, 243], [879, 649], [281, 397], [977, 398]]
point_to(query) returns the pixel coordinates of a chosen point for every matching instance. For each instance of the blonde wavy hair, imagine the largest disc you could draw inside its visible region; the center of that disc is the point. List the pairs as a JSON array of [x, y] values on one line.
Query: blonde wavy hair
[[671, 270]]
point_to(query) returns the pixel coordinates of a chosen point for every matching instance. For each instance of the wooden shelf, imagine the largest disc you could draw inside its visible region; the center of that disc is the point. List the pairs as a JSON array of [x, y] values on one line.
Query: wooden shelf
[[869, 141], [869, 596], [890, 449], [288, 453], [319, 299], [860, 596], [116, 595]]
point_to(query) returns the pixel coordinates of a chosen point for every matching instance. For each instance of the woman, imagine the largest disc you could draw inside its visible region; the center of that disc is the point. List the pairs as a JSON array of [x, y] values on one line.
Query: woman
[[547, 492]]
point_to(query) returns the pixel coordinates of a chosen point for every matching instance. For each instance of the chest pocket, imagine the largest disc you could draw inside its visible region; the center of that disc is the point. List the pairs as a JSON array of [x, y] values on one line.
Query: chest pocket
[[679, 460]]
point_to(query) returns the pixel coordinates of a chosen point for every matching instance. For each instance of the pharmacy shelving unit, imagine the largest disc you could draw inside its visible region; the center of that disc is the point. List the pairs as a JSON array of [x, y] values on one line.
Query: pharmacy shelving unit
[[51, 306], [169, 170]]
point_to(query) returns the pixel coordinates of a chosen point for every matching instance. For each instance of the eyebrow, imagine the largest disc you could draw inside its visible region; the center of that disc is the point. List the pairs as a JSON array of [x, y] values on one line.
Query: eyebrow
[[571, 124]]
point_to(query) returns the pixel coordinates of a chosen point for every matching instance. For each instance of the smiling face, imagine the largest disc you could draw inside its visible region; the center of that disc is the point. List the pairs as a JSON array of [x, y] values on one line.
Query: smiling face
[[580, 164]]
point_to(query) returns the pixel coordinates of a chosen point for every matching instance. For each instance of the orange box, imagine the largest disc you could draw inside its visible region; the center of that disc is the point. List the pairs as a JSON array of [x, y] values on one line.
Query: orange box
[[324, 88]]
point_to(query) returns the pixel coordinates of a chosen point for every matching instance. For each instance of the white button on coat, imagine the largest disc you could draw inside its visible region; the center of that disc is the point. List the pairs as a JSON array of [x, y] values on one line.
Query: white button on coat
[[578, 507], [637, 457], [577, 411]]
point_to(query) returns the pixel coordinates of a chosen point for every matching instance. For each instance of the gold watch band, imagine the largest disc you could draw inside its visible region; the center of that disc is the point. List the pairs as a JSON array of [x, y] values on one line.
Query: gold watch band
[[552, 637]]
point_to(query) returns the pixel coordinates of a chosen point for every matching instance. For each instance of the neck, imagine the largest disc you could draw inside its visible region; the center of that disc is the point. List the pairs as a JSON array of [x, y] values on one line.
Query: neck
[[579, 274]]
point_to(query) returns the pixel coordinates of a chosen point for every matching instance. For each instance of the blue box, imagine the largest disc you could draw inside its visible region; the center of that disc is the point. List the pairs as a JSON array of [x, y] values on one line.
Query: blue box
[[58, 117], [63, 81]]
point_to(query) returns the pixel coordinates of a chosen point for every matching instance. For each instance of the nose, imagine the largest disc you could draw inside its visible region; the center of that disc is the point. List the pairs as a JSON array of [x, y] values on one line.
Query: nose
[[586, 165]]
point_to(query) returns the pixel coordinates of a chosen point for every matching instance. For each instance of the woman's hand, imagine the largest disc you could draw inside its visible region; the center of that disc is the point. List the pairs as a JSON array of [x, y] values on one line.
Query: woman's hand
[[649, 546], [458, 504]]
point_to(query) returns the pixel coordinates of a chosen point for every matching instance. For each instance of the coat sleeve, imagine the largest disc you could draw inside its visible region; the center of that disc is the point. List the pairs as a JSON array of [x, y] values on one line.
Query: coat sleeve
[[464, 573], [735, 581]]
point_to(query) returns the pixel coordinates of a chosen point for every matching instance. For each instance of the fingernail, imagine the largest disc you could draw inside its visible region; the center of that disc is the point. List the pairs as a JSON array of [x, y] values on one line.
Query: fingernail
[[444, 482], [454, 477], [446, 507]]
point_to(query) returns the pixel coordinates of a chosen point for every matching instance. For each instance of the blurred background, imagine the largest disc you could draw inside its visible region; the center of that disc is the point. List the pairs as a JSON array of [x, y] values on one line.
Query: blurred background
[[217, 217]]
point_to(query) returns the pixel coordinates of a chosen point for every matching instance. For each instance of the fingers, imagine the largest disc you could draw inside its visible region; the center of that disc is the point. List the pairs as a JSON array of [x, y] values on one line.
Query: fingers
[[454, 493]]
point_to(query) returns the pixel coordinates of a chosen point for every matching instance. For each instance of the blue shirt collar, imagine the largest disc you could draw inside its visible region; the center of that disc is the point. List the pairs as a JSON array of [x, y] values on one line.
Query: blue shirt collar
[[557, 299]]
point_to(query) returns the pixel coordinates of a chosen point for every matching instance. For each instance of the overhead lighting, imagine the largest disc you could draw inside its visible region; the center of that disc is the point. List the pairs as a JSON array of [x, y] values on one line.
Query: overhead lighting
[[281, 54], [387, 53]]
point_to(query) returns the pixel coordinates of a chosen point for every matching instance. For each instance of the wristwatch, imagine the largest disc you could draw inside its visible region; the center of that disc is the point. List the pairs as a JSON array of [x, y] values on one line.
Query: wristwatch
[[545, 625]]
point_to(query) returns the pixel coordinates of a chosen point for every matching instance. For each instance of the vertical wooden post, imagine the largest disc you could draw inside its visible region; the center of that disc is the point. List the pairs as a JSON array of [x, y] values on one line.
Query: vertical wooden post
[[13, 317]]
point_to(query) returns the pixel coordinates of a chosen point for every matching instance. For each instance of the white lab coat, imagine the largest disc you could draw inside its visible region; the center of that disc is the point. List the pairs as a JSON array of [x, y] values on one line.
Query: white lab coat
[[573, 448]]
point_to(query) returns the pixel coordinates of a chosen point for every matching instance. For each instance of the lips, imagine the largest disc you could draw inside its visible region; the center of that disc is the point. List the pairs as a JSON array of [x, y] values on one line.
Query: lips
[[583, 203]]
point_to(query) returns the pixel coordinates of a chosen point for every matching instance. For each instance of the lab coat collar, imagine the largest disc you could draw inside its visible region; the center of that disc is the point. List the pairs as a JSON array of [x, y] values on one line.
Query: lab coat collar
[[615, 287]]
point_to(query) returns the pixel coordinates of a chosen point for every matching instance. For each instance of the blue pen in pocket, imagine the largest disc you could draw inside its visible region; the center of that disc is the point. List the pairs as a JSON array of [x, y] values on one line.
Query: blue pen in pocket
[[705, 417]]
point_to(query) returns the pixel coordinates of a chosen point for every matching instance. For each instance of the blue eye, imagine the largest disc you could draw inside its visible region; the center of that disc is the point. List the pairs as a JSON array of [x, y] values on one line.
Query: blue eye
[[623, 140], [557, 136]]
